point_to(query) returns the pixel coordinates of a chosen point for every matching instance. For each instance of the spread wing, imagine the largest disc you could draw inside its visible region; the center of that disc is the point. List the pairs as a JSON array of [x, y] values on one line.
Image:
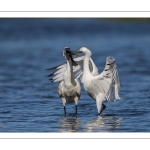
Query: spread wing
[[57, 74], [110, 84]]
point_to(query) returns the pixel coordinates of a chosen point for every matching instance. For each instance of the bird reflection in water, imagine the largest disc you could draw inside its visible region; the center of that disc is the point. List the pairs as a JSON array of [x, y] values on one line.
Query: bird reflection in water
[[70, 124], [104, 124]]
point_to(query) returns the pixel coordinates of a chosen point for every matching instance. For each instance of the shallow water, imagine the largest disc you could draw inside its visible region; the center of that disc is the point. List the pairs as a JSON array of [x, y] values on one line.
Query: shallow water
[[29, 102]]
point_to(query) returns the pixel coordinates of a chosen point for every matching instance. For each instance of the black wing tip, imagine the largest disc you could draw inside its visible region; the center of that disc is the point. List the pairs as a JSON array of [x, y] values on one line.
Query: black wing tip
[[51, 79], [51, 68], [112, 62], [55, 66], [110, 58], [50, 74], [106, 69]]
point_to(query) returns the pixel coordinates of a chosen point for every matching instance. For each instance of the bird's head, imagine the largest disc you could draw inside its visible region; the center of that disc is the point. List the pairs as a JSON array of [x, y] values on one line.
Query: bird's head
[[68, 55], [83, 50]]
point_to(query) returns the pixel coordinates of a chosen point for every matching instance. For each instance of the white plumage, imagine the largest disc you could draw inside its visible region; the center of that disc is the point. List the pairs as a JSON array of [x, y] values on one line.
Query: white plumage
[[102, 87], [69, 87]]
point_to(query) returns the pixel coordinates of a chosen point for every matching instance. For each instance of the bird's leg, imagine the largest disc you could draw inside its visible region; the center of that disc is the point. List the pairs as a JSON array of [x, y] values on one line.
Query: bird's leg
[[64, 104], [76, 111], [103, 108], [76, 103], [65, 110], [99, 105]]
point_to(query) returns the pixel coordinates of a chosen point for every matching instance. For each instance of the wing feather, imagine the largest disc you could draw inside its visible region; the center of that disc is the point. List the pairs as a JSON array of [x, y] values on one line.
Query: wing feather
[[110, 82], [57, 74]]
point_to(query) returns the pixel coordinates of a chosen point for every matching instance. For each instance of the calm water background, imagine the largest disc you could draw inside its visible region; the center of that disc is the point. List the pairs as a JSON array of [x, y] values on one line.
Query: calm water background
[[29, 101]]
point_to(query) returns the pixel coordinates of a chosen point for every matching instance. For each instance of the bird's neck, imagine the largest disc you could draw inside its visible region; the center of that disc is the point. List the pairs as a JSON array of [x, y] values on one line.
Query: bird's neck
[[69, 77], [86, 70]]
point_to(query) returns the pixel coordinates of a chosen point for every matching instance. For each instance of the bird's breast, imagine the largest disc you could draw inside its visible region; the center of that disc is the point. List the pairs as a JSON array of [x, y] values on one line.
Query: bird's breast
[[69, 90]]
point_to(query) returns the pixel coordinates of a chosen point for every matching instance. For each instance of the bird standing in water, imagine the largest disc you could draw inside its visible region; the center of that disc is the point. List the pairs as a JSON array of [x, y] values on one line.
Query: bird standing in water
[[69, 87], [102, 87]]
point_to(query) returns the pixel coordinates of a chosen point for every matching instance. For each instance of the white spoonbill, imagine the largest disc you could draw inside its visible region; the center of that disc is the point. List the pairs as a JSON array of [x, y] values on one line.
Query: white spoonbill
[[69, 87], [103, 87]]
